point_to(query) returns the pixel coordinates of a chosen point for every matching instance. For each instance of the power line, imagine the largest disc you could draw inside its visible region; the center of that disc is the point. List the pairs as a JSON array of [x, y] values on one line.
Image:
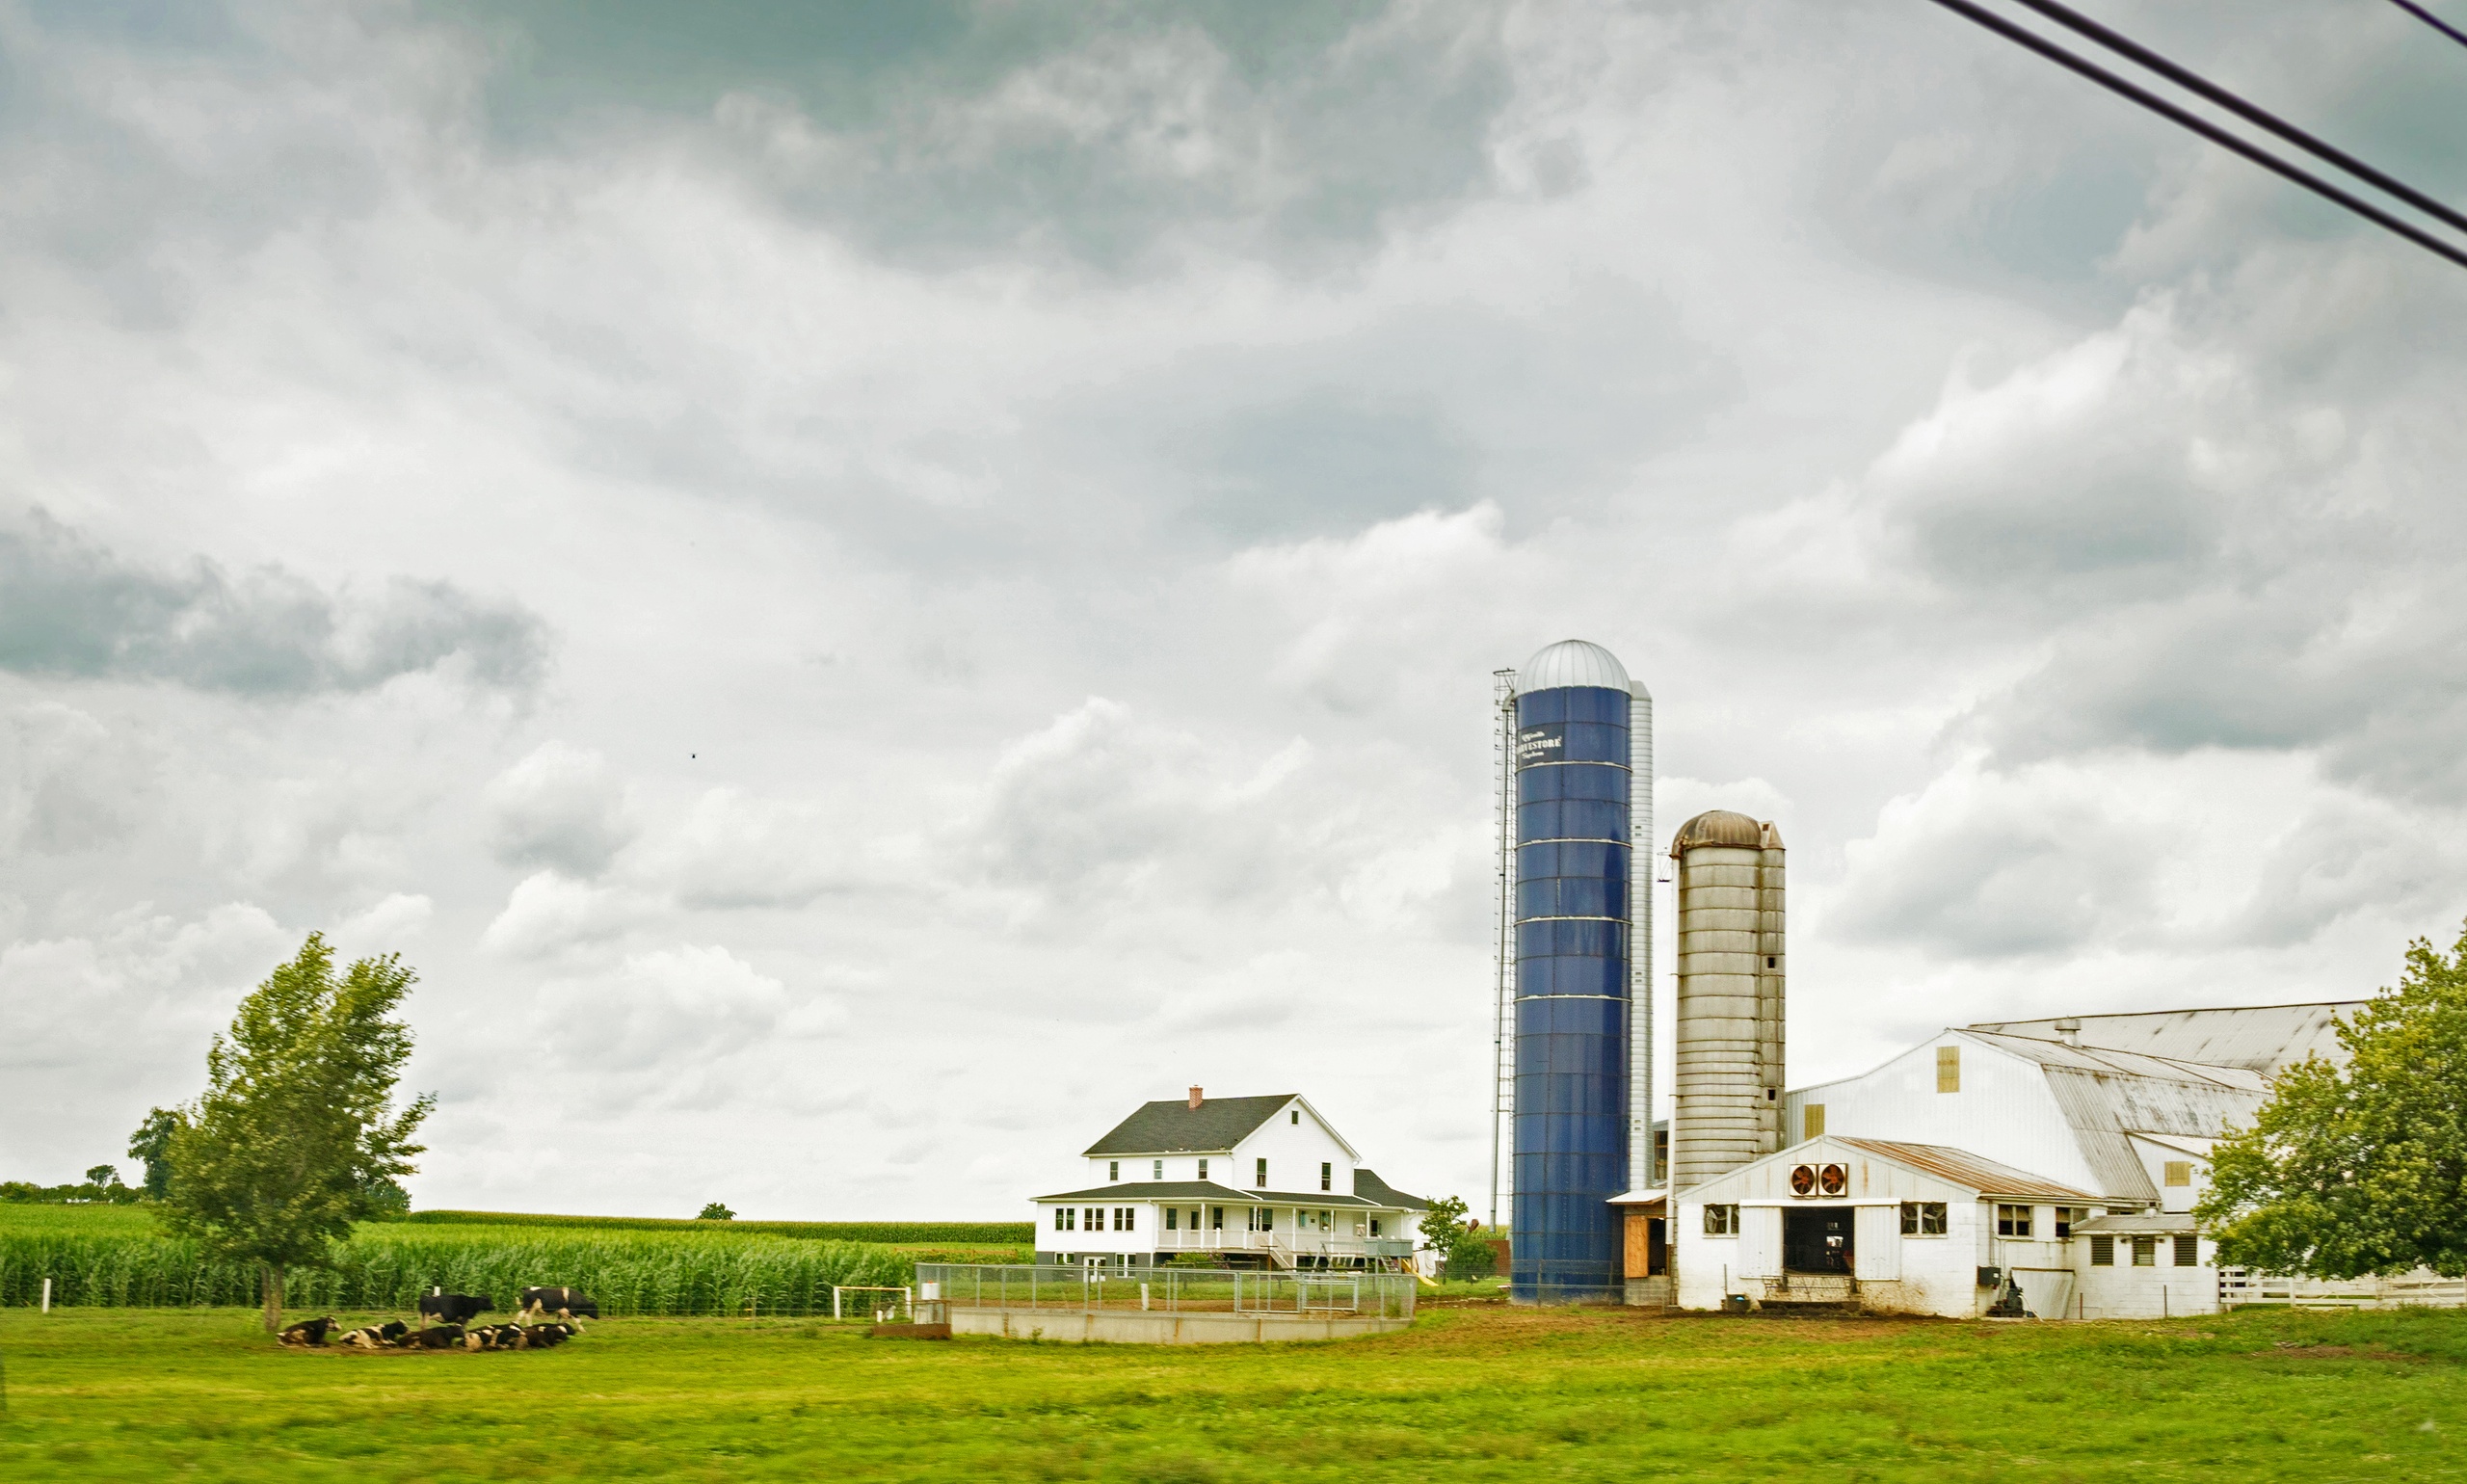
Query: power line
[[2193, 82], [2204, 128], [2432, 20]]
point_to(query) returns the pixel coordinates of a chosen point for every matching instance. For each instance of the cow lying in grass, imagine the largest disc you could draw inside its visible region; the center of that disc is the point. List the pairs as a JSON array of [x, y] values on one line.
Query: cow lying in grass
[[435, 1337], [454, 1307], [517, 1336], [375, 1337], [311, 1332], [566, 1304]]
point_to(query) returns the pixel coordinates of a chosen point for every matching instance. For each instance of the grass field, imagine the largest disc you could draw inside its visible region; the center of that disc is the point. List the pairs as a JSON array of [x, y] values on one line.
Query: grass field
[[1473, 1392]]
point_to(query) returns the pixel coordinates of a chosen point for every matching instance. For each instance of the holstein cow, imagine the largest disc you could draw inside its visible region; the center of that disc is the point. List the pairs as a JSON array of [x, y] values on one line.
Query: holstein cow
[[443, 1307], [376, 1337], [494, 1336], [566, 1304], [437, 1337], [540, 1336], [310, 1331]]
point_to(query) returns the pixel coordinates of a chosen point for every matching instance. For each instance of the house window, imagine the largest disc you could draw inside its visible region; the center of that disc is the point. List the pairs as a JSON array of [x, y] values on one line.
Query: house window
[[1374, 1226], [2180, 1173], [1922, 1218], [2188, 1251], [1297, 1115], [2012, 1221], [1217, 1222], [1261, 1179], [1093, 1219], [1113, 1169], [1327, 1177], [1062, 1218], [1202, 1169], [2064, 1215], [1124, 1217], [1156, 1171], [1721, 1221], [1949, 1069], [2102, 1251], [2145, 1252], [1172, 1218], [1811, 1121]]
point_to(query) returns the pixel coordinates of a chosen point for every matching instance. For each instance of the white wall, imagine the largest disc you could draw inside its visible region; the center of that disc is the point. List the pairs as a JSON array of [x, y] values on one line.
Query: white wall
[[2155, 1158], [2128, 1292], [2004, 1111]]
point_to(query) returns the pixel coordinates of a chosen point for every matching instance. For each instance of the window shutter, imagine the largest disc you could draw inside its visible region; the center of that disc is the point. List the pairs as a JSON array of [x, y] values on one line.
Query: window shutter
[[2189, 1251]]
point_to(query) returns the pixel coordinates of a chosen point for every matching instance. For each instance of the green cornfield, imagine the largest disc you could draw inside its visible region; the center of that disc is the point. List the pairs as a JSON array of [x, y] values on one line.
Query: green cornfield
[[386, 1267], [959, 1233]]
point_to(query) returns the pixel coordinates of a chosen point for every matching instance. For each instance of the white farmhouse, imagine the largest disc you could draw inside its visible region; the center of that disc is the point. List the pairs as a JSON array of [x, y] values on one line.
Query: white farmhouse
[[1249, 1182]]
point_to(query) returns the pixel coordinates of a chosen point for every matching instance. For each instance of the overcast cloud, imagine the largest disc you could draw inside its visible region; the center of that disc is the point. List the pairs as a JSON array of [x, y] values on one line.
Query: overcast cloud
[[862, 589]]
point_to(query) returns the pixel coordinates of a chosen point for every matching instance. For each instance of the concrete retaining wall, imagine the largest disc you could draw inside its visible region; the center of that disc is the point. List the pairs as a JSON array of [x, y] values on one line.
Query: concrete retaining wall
[[1132, 1327]]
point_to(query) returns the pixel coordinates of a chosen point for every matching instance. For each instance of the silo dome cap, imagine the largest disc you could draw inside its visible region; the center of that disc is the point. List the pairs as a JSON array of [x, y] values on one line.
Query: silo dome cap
[[1571, 662], [1722, 826]]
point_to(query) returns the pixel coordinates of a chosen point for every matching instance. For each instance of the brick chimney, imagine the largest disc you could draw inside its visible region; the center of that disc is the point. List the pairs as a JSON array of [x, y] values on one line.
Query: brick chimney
[[1195, 1100]]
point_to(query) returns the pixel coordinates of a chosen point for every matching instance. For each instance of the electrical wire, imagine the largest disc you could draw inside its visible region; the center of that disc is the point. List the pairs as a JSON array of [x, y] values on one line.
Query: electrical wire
[[2193, 82], [2432, 20], [2225, 140]]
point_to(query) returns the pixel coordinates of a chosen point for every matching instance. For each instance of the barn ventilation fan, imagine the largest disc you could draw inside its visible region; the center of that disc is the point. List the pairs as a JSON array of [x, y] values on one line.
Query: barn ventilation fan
[[1835, 1179], [1803, 1181]]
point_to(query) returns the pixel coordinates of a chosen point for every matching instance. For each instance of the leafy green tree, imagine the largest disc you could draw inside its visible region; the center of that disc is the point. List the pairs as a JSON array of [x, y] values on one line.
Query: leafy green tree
[[296, 1130], [102, 1177], [1463, 1252], [151, 1144], [715, 1211], [2363, 1169]]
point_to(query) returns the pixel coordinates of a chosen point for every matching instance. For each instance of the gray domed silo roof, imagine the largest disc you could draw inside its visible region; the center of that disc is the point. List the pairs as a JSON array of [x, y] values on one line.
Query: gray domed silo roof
[[1722, 826], [1571, 662]]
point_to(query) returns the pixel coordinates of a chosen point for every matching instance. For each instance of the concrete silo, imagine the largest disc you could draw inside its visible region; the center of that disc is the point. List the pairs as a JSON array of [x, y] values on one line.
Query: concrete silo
[[1727, 1107], [1574, 1056]]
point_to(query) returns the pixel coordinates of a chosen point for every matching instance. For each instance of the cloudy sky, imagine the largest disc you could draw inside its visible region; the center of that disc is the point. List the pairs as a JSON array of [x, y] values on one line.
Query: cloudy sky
[[862, 588]]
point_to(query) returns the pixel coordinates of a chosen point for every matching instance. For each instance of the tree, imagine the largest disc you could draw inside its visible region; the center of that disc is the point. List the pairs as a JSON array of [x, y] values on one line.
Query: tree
[[103, 1177], [297, 1132], [1445, 1229], [151, 1144], [2363, 1169], [715, 1211]]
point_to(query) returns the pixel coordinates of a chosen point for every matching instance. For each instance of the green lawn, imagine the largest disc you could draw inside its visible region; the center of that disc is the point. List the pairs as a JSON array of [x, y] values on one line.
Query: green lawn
[[1473, 1392]]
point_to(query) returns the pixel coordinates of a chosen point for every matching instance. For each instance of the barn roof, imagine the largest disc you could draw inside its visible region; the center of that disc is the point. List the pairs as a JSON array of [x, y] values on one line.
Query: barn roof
[[2266, 1039], [1974, 1172], [2107, 1095]]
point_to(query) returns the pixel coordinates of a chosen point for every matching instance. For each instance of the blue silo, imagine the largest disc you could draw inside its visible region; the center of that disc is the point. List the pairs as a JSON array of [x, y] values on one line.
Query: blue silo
[[1577, 897]]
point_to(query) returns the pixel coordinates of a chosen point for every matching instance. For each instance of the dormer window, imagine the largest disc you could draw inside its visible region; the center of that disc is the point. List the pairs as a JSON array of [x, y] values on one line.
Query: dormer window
[[1113, 1169]]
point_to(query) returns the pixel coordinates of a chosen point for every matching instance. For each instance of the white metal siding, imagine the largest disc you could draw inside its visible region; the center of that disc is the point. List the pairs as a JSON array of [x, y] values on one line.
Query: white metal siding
[[1876, 1242]]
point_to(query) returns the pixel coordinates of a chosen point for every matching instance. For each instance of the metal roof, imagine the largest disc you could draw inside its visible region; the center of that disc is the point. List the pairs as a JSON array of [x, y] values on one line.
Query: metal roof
[[2106, 1094], [2260, 1038], [2136, 1224], [1973, 1171], [1173, 1127], [1224, 1195], [1571, 662]]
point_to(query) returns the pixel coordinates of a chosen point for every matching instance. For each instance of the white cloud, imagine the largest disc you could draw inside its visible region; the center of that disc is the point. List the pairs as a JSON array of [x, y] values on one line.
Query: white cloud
[[562, 806]]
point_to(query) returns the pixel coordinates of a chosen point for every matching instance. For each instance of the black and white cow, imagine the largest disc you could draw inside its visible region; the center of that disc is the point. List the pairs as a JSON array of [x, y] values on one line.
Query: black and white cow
[[442, 1308], [311, 1332], [565, 1303], [376, 1337], [435, 1337], [540, 1336]]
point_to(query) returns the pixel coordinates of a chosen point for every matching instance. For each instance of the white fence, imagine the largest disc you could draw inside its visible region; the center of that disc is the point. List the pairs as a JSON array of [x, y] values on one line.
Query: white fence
[[1169, 1290], [2423, 1287]]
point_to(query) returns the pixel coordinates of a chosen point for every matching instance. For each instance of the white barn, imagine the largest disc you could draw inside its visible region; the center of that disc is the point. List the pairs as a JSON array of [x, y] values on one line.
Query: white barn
[[1250, 1181], [2066, 1156]]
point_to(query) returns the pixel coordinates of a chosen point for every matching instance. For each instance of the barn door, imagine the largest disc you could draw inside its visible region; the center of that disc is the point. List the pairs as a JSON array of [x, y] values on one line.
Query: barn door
[[1760, 1241], [1879, 1245]]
